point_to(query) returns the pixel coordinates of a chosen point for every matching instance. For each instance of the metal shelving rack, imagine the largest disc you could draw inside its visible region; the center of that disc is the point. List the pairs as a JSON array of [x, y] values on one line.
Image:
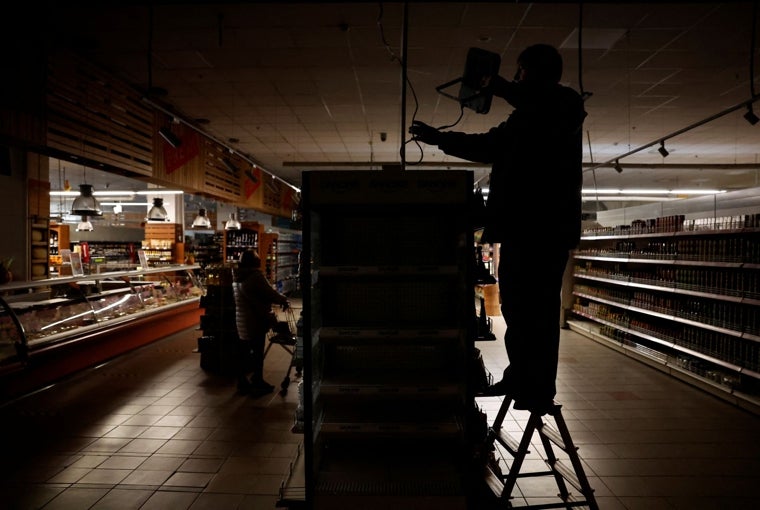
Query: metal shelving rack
[[388, 299], [679, 295]]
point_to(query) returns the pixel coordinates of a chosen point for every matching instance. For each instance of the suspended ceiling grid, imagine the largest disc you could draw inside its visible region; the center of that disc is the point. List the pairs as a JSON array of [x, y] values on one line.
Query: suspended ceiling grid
[[303, 86]]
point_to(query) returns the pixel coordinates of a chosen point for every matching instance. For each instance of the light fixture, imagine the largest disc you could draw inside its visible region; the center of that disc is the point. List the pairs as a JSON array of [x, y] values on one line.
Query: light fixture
[[157, 212], [617, 167], [85, 204], [170, 137], [651, 191], [229, 165], [160, 191], [201, 221], [84, 225], [125, 204], [750, 115], [232, 223], [662, 150]]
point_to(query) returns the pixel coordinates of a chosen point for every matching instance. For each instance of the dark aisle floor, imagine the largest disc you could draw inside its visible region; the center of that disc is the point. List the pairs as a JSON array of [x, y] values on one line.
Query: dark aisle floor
[[151, 430]]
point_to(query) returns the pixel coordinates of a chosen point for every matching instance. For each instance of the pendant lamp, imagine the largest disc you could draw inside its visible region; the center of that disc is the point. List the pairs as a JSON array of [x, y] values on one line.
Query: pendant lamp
[[201, 221], [86, 204], [157, 212], [232, 223], [84, 225]]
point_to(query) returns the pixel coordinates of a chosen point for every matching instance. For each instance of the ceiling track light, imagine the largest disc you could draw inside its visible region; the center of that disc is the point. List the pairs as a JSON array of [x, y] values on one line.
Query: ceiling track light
[[662, 150], [617, 167], [229, 165], [750, 115], [170, 137], [203, 133], [731, 109]]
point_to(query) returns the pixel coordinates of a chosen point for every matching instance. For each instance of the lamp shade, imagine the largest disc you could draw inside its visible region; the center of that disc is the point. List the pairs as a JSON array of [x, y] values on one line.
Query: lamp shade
[[157, 212], [201, 221], [86, 204], [232, 223], [84, 225]]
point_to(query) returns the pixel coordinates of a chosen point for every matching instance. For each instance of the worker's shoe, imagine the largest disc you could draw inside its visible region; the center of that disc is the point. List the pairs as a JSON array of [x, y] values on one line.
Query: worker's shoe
[[541, 406]]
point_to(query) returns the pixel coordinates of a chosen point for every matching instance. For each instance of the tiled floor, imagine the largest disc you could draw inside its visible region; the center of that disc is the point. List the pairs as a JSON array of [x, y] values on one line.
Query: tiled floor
[[153, 430]]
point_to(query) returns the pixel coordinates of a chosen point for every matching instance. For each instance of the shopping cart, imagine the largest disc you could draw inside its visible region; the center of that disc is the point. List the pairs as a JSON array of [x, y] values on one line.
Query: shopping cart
[[284, 334]]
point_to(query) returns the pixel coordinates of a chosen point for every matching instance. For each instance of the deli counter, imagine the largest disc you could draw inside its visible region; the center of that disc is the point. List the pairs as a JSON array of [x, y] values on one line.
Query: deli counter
[[53, 327]]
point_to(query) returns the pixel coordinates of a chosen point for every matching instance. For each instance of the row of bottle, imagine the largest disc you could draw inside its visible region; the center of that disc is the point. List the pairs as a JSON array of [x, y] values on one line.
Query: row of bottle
[[270, 264], [736, 317], [678, 223], [241, 238], [737, 351], [690, 363], [53, 242], [744, 249], [721, 281]]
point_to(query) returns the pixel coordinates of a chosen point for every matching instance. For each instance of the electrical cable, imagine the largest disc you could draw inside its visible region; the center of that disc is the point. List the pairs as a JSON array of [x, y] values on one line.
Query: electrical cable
[[752, 50], [395, 58], [584, 95], [593, 173]]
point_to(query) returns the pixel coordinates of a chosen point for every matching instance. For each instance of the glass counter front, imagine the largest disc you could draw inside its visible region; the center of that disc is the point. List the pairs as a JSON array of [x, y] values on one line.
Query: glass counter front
[[43, 312]]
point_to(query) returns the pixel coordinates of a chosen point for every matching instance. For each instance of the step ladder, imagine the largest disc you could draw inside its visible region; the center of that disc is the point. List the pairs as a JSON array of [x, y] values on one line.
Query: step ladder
[[559, 436]]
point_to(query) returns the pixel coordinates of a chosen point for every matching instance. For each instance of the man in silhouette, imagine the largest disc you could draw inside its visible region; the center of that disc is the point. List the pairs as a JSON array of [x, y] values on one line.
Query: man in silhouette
[[534, 210]]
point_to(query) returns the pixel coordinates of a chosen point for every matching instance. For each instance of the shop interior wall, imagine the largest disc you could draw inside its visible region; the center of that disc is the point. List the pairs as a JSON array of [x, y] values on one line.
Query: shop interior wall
[[13, 207]]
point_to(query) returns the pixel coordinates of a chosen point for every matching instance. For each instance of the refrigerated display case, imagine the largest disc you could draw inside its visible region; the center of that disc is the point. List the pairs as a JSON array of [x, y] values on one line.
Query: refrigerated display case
[[43, 322]]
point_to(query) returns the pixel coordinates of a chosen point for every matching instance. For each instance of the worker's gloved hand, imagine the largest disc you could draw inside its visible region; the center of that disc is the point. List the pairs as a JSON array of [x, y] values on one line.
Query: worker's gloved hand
[[424, 133]]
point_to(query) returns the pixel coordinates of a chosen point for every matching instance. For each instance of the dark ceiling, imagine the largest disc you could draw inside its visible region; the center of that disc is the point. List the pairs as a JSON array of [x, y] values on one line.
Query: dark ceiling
[[303, 86]]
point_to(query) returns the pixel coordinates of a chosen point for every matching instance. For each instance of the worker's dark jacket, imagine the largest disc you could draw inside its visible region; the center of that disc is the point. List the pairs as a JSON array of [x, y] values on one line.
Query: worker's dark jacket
[[536, 175]]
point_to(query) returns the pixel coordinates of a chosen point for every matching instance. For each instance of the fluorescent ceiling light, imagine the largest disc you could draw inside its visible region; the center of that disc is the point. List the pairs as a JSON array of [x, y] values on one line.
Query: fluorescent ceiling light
[[592, 191], [127, 204], [112, 193], [157, 191], [118, 193], [628, 198]]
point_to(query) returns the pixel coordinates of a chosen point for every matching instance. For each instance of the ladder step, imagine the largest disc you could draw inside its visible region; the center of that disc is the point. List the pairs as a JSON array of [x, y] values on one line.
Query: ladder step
[[494, 482], [568, 474], [507, 441], [553, 436], [569, 502]]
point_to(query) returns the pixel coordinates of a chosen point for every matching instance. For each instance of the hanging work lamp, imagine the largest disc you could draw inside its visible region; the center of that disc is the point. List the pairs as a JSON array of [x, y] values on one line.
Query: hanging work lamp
[[232, 223], [84, 225], [85, 204], [201, 221], [157, 212]]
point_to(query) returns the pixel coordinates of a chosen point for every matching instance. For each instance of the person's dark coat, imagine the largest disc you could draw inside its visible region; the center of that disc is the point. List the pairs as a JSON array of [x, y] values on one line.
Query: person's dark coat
[[254, 297], [536, 157]]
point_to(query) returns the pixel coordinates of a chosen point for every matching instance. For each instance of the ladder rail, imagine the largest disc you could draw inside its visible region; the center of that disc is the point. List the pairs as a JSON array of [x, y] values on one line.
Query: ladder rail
[[503, 485]]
